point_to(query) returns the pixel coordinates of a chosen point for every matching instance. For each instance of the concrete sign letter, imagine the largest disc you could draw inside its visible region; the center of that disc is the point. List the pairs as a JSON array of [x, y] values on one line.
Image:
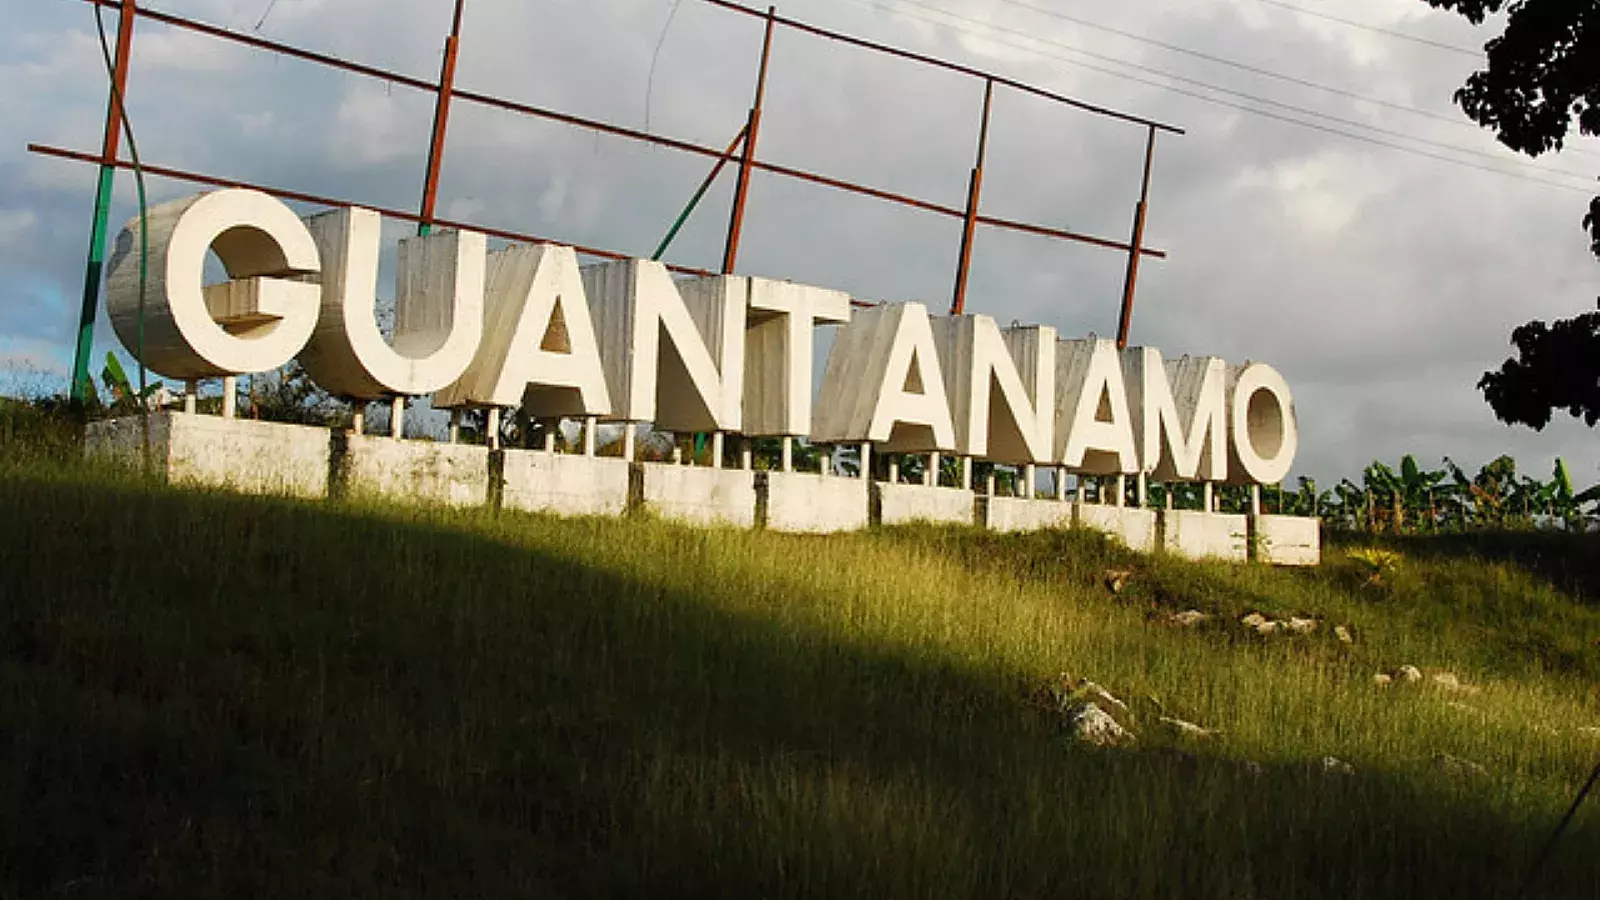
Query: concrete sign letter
[[1180, 414], [539, 347], [254, 322], [778, 354], [1265, 435], [438, 309], [981, 366], [883, 383], [680, 386], [1095, 429]]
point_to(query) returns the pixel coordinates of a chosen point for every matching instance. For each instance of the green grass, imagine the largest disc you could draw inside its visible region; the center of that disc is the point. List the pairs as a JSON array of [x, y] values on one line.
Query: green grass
[[204, 694]]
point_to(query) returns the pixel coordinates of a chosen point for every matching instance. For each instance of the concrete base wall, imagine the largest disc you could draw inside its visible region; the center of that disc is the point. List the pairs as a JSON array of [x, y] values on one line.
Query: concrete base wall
[[243, 454], [700, 495], [535, 481], [1016, 514], [900, 503], [1200, 535], [815, 504], [453, 474], [1134, 527], [1288, 540]]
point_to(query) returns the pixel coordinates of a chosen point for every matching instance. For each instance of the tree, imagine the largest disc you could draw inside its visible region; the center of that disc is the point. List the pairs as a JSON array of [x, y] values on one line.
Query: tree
[[1542, 79]]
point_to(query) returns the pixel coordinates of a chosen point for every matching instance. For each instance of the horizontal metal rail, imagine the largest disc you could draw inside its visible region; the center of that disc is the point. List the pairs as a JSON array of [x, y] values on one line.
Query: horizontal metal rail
[[528, 109]]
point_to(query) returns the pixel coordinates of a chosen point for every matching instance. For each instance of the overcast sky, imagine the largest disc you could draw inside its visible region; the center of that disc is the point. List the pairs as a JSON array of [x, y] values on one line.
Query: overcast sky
[[1381, 283]]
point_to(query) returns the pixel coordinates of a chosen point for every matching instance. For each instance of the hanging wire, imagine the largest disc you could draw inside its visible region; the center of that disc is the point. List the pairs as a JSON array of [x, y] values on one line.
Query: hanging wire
[[144, 211]]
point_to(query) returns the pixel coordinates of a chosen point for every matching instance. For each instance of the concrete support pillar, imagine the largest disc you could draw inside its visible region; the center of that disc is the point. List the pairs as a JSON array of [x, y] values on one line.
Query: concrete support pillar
[[230, 397], [1209, 498], [827, 461], [358, 419], [190, 389], [788, 453], [455, 426], [1029, 474], [988, 484], [716, 450], [551, 426], [1170, 489], [397, 418], [747, 455], [1255, 499], [1142, 490], [1122, 490], [590, 426], [491, 432], [1077, 490], [930, 475], [894, 469], [966, 473], [866, 461], [1061, 484]]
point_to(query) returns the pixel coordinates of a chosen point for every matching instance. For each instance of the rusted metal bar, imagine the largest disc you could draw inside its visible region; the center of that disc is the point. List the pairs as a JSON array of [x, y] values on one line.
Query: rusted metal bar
[[699, 193], [741, 193], [1132, 278], [94, 268], [441, 121], [630, 133], [302, 197], [947, 65], [974, 190]]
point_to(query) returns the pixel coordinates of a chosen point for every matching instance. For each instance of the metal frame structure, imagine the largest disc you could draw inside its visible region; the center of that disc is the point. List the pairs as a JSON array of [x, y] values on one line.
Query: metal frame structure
[[741, 151]]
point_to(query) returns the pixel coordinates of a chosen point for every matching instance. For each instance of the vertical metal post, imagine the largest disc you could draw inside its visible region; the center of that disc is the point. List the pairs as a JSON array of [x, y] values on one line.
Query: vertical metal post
[[741, 193], [109, 147], [974, 189], [441, 121], [1134, 251]]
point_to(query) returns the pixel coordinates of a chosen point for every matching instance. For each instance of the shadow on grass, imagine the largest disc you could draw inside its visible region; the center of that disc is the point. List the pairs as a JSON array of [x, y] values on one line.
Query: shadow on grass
[[204, 694]]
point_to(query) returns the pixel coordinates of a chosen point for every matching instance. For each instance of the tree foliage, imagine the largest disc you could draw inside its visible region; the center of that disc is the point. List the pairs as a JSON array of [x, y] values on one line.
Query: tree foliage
[[1541, 80]]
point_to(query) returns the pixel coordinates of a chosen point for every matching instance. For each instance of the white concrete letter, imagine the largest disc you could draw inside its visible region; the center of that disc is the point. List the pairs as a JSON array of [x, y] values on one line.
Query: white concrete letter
[[438, 309], [883, 383], [685, 388], [1095, 431], [539, 347], [1180, 413], [778, 353], [1265, 435], [1001, 413], [254, 322]]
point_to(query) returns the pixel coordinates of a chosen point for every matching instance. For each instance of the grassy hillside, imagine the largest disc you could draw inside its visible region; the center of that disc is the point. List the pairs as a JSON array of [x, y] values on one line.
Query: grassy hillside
[[204, 694]]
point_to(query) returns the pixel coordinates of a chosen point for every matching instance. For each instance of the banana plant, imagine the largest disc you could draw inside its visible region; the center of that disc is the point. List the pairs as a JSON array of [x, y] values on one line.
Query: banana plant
[[125, 397]]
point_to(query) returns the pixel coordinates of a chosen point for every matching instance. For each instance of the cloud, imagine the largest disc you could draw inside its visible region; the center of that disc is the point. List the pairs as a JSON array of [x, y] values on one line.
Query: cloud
[[1381, 283]]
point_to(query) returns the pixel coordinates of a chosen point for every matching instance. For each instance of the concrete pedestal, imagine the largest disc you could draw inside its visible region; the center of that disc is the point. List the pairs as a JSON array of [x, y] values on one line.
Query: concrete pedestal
[[814, 504], [568, 484], [1015, 514], [243, 454], [895, 504], [453, 474], [1201, 535], [697, 494], [1288, 540], [1134, 527]]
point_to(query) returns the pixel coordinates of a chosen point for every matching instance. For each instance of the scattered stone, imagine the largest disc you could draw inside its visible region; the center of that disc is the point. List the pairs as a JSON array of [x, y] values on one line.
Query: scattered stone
[[1343, 634], [1187, 729], [1117, 579], [1383, 679], [1250, 767], [1189, 618], [1298, 625], [1447, 681], [1545, 729], [1462, 707], [1254, 620], [1333, 765], [1455, 765], [1269, 627], [1089, 724], [1094, 693], [1589, 731], [1408, 674]]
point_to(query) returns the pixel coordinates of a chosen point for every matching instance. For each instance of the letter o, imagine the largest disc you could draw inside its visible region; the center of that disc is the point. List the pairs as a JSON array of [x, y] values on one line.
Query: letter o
[[256, 322], [1263, 431]]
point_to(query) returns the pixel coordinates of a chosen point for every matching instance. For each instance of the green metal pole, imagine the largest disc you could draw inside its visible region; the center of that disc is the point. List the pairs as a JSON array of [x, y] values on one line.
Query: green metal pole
[[95, 267]]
